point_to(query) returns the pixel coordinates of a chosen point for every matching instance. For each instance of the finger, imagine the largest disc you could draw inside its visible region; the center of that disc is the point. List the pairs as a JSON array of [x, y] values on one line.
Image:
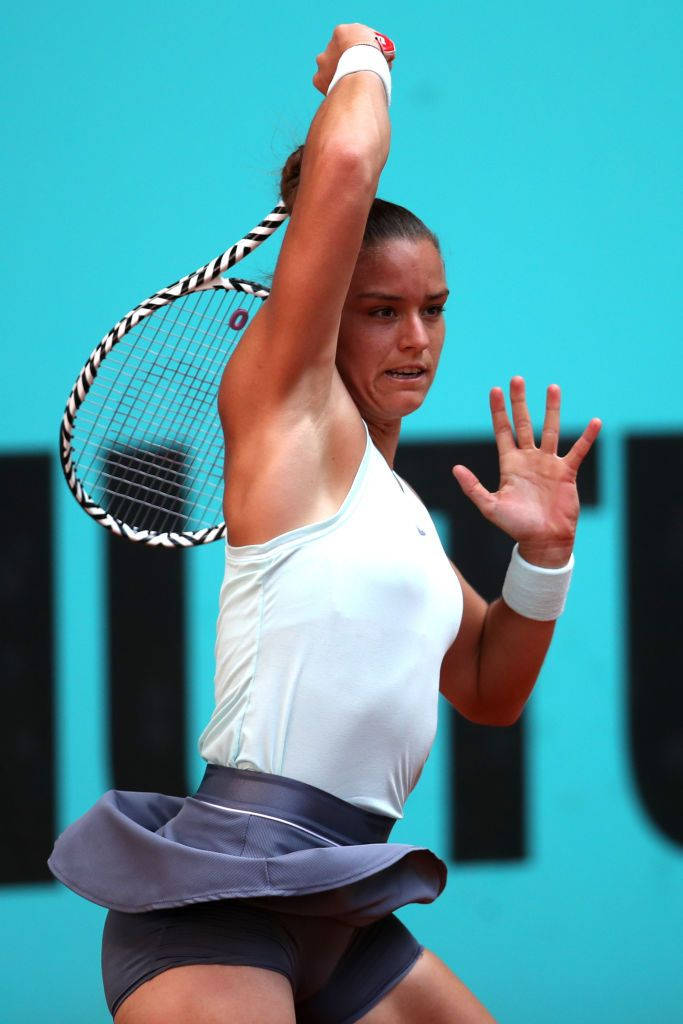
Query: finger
[[474, 490], [579, 450], [323, 76], [520, 413], [551, 424], [505, 440]]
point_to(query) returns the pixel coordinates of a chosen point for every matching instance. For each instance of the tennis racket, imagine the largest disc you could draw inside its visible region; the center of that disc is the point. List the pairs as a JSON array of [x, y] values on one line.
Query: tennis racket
[[141, 444]]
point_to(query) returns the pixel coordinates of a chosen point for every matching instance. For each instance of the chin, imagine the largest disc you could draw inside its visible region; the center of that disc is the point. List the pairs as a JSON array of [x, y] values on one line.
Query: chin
[[412, 406], [405, 404]]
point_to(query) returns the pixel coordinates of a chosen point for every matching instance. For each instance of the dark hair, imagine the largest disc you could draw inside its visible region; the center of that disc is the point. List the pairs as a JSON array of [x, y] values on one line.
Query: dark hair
[[386, 221]]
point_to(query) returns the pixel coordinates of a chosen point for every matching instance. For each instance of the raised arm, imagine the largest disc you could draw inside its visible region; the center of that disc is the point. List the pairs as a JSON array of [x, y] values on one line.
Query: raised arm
[[288, 352], [492, 666]]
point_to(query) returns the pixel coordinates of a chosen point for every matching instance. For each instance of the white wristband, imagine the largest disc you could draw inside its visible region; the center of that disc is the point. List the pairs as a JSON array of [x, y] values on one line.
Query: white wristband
[[534, 591], [363, 57]]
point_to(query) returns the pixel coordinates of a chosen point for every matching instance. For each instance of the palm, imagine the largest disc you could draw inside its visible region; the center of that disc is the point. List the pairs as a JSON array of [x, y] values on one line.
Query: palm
[[536, 502], [536, 495]]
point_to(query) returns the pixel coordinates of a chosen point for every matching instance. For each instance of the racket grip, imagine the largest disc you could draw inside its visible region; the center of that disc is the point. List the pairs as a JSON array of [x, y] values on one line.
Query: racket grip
[[386, 45]]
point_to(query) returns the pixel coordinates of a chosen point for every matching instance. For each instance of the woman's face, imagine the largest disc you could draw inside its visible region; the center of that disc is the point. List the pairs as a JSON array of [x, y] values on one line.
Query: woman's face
[[392, 328]]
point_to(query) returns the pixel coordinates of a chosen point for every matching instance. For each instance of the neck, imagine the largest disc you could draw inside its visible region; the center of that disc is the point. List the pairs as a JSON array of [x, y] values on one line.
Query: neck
[[385, 436]]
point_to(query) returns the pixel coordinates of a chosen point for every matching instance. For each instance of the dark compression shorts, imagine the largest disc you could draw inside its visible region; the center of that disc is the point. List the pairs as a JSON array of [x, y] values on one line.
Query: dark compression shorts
[[338, 972]]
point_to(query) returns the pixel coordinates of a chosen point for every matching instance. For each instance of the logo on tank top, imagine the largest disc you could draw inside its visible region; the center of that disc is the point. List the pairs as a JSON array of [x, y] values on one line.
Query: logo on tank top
[[423, 533]]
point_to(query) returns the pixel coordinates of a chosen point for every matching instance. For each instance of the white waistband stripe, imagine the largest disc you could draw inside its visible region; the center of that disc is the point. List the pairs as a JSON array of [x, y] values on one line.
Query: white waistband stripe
[[259, 814]]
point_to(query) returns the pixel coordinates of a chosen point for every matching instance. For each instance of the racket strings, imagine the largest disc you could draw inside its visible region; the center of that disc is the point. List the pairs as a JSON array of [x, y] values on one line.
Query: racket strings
[[121, 504], [147, 459], [99, 426], [133, 365], [212, 452], [155, 450], [147, 476], [185, 331], [158, 419], [152, 449]]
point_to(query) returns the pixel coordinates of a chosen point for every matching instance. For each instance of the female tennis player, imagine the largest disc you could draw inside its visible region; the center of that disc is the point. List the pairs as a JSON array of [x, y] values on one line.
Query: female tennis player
[[269, 895]]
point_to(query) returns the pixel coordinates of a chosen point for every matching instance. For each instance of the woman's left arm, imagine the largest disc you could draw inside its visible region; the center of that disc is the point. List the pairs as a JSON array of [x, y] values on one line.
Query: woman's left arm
[[491, 667]]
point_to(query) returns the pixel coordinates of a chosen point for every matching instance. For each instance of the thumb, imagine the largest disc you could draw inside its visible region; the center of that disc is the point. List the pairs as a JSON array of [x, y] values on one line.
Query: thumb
[[474, 489]]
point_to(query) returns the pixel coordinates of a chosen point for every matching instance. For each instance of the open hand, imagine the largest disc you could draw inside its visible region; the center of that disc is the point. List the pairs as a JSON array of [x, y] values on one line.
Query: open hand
[[536, 502]]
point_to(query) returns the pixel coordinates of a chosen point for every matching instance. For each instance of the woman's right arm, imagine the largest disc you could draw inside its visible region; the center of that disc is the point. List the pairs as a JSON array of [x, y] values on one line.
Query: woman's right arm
[[287, 355]]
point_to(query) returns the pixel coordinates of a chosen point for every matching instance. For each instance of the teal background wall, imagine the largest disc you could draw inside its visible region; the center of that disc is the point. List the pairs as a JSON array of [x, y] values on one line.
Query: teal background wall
[[543, 143]]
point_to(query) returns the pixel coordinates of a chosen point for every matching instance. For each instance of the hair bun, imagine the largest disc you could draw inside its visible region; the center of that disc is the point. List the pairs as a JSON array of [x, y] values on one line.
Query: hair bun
[[386, 221], [289, 179]]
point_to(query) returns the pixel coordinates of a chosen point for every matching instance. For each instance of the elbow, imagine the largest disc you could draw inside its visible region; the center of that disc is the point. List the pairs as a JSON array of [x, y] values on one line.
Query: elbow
[[351, 164], [502, 716], [505, 720], [479, 712], [486, 716], [496, 713]]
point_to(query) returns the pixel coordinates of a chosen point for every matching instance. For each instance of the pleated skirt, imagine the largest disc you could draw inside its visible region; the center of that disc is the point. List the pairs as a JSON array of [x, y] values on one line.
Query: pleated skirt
[[278, 842]]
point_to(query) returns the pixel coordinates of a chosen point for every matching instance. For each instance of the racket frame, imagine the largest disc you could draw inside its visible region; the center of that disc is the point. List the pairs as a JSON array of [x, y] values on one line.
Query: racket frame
[[207, 277]]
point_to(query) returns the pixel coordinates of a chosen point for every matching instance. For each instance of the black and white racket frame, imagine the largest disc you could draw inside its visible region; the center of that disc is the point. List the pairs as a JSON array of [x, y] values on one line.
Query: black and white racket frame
[[208, 276]]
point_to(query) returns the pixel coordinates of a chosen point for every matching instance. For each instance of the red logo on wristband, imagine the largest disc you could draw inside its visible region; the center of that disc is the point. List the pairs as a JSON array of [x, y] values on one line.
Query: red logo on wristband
[[388, 47]]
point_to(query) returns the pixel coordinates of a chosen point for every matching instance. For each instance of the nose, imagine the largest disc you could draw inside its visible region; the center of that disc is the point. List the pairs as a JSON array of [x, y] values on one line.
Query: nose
[[414, 336]]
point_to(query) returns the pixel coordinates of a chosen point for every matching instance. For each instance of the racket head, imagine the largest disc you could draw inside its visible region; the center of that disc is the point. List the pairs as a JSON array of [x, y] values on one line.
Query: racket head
[[141, 444]]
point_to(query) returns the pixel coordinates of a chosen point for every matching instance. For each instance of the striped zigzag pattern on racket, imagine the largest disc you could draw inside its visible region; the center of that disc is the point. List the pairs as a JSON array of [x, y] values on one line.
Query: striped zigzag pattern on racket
[[205, 278]]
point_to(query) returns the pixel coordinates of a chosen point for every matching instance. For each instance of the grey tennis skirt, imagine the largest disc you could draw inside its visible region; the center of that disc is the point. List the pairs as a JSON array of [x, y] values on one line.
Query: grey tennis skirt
[[283, 844]]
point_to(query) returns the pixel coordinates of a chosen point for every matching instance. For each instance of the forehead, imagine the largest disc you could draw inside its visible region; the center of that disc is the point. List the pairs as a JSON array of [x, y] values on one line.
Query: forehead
[[398, 267]]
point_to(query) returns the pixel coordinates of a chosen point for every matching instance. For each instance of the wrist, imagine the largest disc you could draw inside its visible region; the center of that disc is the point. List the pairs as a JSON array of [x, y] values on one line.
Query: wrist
[[535, 591], [544, 555], [363, 57]]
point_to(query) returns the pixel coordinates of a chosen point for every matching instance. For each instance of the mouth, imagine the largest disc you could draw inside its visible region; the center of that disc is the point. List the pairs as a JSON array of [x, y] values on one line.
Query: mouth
[[406, 373]]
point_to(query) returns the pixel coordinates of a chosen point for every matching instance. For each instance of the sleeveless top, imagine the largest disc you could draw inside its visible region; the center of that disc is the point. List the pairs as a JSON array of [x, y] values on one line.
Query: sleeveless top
[[329, 645]]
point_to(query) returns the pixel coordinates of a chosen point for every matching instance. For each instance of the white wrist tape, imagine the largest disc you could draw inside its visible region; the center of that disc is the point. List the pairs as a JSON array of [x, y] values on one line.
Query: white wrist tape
[[363, 57], [534, 591]]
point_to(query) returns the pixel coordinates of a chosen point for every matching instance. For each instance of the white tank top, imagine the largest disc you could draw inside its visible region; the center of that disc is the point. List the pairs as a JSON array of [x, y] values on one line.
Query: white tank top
[[329, 646]]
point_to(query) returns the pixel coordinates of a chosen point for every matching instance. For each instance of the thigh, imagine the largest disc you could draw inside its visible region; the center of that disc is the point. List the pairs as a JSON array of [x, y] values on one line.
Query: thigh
[[210, 994], [429, 991], [200, 962]]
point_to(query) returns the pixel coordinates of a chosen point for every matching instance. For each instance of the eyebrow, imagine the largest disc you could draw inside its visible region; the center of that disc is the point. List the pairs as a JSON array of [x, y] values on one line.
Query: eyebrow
[[397, 298]]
